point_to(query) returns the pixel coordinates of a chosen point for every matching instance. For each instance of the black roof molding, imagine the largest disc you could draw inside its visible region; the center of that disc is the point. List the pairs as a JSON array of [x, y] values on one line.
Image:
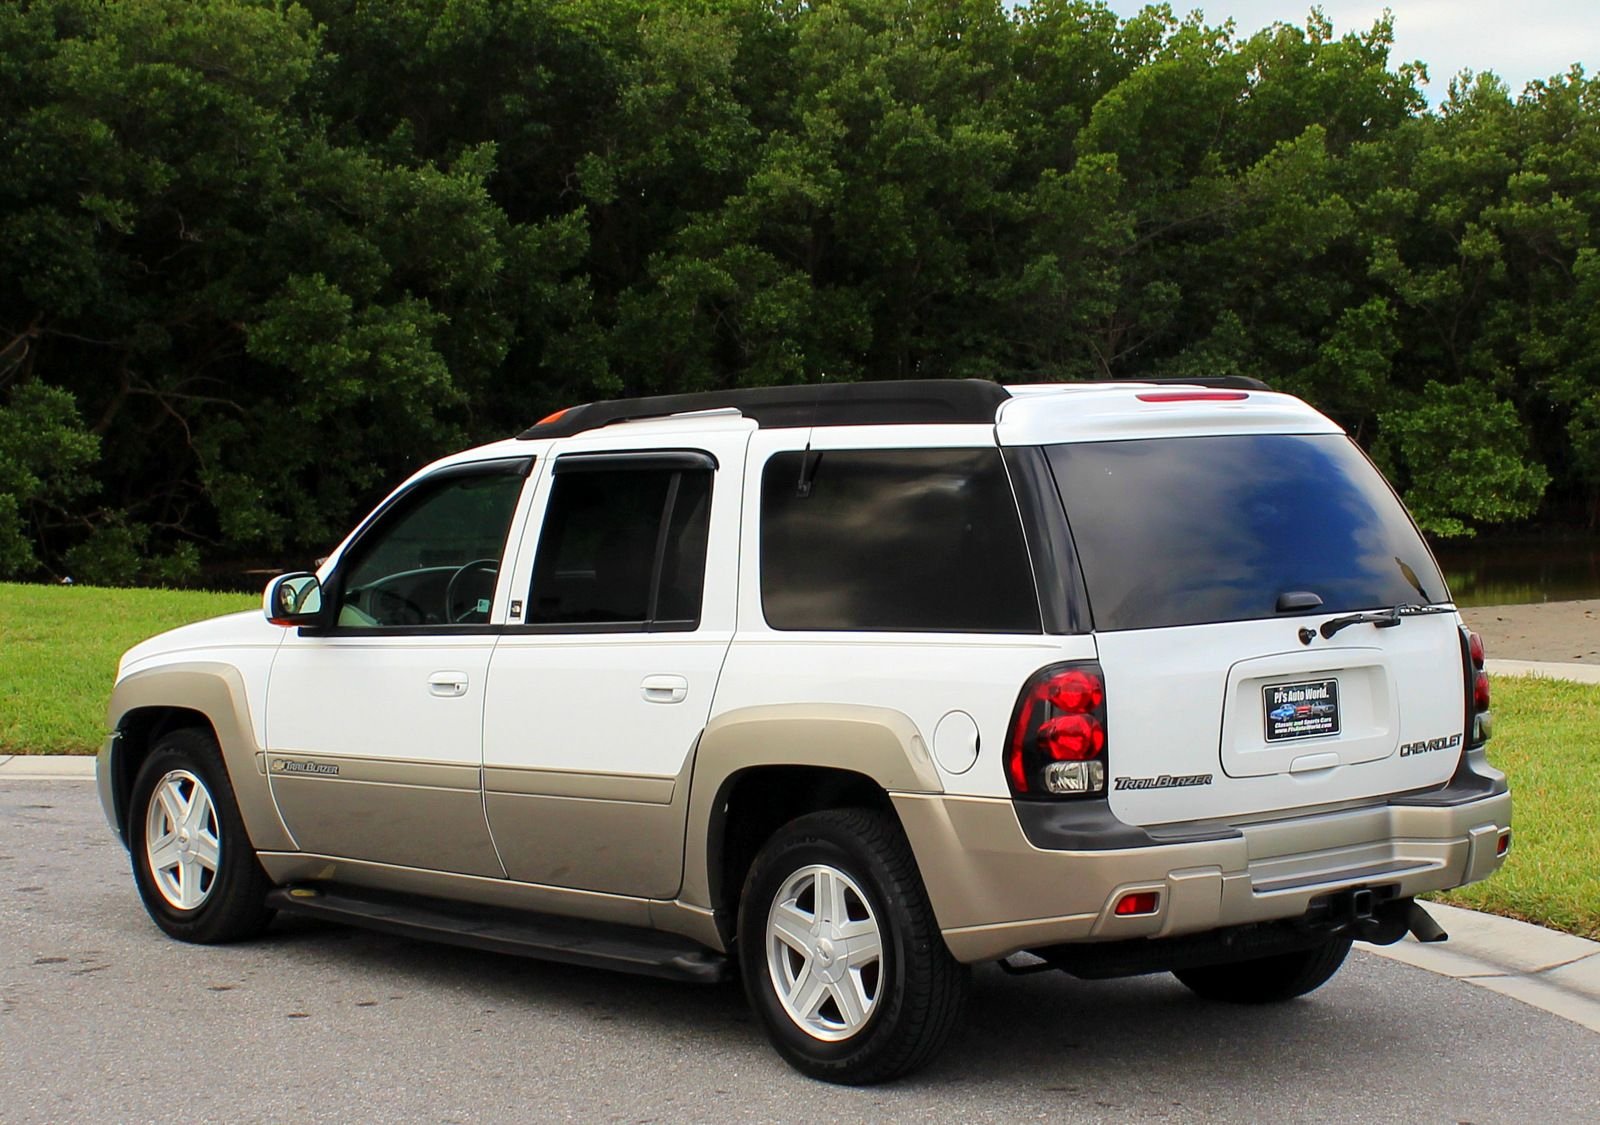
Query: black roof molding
[[886, 402], [889, 402]]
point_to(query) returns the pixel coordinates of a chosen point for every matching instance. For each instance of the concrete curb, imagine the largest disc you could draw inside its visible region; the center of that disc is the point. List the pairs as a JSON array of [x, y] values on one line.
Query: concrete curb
[[1545, 669], [1550, 970], [1555, 972], [47, 767]]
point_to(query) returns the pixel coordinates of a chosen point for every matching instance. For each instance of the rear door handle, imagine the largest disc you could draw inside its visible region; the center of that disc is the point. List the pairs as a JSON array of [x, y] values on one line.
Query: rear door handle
[[448, 685], [664, 689]]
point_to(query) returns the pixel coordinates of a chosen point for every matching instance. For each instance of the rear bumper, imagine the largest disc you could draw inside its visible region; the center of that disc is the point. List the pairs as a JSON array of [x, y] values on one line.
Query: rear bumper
[[996, 893]]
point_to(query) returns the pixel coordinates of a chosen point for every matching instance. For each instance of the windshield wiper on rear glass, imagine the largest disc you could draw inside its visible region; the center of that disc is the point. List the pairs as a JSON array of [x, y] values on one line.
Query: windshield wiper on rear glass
[[1382, 619]]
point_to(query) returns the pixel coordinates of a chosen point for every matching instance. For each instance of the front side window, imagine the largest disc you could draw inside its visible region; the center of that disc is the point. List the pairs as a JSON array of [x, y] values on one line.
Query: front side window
[[909, 540], [433, 558], [622, 548]]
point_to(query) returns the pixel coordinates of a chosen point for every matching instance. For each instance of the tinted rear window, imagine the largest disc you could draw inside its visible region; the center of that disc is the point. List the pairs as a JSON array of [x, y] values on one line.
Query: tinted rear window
[[1181, 531], [902, 539]]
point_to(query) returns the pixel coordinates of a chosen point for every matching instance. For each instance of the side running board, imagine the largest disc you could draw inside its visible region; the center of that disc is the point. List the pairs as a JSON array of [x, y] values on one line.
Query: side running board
[[548, 937]]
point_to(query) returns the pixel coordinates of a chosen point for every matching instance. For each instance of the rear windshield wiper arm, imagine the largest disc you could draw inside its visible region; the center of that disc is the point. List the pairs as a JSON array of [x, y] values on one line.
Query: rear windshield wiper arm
[[1382, 619]]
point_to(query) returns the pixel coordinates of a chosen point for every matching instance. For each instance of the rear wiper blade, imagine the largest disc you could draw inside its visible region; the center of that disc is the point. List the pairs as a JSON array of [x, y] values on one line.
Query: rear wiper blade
[[1382, 619]]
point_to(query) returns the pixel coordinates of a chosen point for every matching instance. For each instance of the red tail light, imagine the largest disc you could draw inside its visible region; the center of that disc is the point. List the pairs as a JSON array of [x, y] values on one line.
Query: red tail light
[[1479, 721], [1057, 742]]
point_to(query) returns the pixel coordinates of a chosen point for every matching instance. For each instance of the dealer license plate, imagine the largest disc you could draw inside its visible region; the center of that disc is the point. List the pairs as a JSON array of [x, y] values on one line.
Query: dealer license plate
[[1308, 709]]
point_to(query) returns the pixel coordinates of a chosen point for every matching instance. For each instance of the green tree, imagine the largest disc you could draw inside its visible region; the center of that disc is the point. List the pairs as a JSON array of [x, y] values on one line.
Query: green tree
[[44, 457], [227, 292]]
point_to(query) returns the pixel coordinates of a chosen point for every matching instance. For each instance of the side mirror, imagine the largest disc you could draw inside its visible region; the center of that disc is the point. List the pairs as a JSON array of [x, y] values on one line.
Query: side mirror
[[293, 599]]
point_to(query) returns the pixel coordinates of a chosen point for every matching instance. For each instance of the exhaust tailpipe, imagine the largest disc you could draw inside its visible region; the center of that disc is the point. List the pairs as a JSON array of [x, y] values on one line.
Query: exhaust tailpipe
[[1422, 925], [1388, 922]]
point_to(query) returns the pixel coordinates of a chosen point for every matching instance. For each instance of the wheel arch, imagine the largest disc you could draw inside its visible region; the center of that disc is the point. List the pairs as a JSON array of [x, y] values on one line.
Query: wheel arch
[[147, 705], [134, 736], [758, 768]]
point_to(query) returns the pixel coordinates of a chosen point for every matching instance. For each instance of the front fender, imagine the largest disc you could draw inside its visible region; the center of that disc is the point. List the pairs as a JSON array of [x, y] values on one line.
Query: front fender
[[217, 692]]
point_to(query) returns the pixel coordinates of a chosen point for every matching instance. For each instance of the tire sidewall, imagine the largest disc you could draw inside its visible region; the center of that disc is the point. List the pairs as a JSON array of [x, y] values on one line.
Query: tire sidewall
[[793, 848], [1269, 980], [195, 752]]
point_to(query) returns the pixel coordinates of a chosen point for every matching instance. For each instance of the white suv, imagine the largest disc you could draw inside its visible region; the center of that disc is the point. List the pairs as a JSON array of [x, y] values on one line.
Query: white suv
[[850, 687]]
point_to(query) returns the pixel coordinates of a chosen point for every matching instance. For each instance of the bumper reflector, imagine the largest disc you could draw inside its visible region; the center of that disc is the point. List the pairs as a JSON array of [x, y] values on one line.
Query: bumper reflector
[[1139, 902]]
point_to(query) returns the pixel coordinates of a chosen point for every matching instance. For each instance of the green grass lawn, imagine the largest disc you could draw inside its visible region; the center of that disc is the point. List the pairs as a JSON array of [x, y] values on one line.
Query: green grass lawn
[[59, 648], [1547, 739]]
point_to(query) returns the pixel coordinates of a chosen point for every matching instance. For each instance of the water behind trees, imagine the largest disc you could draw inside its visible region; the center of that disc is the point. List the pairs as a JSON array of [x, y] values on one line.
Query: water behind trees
[[1511, 572]]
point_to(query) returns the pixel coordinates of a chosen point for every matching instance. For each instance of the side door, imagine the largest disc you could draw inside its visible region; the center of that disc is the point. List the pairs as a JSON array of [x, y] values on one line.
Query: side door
[[374, 721], [597, 698]]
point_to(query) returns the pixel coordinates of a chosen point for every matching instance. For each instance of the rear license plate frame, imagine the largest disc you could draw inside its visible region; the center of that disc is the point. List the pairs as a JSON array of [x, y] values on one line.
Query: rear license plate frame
[[1302, 709]]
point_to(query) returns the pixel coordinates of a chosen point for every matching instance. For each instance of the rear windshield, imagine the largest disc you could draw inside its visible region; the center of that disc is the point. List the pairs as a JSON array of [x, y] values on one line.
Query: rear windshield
[[1181, 531]]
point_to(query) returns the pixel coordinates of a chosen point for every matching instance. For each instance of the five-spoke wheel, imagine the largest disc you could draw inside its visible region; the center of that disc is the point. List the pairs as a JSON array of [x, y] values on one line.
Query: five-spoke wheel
[[825, 952], [192, 860], [180, 840], [841, 955]]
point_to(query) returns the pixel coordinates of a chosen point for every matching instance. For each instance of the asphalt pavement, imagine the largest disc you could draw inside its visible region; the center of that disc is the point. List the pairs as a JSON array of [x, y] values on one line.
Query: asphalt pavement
[[104, 1019]]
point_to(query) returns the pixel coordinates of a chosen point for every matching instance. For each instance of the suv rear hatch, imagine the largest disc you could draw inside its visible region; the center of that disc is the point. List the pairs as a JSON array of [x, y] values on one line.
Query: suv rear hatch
[[1220, 569]]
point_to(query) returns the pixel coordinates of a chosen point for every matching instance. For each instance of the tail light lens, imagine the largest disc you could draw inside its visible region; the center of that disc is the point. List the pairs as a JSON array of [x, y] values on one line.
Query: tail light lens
[[1056, 746], [1479, 720]]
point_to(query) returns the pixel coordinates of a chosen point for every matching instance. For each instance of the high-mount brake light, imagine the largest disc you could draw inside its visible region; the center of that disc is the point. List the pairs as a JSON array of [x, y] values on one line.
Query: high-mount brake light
[[548, 418], [1057, 741], [1191, 396]]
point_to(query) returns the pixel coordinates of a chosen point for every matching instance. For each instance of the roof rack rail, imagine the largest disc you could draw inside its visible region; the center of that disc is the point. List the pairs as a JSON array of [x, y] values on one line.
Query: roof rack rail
[[887, 402]]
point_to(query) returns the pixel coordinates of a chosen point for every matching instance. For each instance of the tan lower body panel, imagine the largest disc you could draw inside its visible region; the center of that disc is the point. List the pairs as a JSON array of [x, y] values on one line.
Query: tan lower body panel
[[614, 833], [416, 825], [670, 916], [995, 894], [617, 847]]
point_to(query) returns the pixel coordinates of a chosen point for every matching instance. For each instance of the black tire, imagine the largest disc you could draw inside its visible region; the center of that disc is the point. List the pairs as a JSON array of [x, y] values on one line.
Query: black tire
[[915, 994], [1268, 980], [231, 902]]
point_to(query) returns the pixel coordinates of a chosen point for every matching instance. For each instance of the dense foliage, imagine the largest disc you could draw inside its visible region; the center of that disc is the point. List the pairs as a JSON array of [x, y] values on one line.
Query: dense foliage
[[260, 259]]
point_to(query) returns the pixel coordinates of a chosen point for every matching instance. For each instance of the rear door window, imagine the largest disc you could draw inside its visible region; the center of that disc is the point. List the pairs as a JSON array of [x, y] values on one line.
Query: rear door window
[[1183, 531], [912, 540], [623, 548]]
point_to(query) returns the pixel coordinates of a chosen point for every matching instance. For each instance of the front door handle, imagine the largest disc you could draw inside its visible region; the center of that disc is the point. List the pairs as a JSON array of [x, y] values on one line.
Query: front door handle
[[448, 685], [664, 689]]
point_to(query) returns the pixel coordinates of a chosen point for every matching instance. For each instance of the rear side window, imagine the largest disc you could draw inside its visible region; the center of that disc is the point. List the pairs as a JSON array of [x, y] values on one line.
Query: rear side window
[[1182, 531], [912, 540]]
